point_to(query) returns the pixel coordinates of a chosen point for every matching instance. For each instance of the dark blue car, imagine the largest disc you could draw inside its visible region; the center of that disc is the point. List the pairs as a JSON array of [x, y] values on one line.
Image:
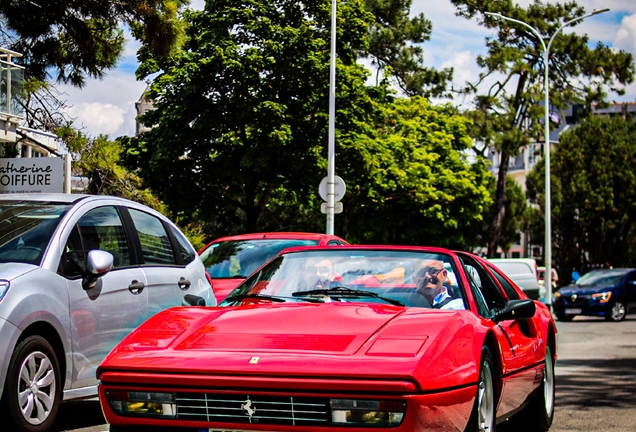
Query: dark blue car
[[609, 293]]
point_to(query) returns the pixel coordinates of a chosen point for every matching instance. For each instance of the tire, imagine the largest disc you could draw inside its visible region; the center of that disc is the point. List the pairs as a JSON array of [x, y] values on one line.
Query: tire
[[565, 318], [31, 395], [482, 418], [539, 413], [617, 312]]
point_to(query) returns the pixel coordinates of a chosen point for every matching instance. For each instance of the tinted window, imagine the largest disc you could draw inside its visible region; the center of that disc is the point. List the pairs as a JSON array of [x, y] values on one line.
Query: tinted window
[[101, 228], [602, 277], [187, 252], [73, 262], [240, 258], [155, 244], [486, 289], [510, 291], [26, 229]]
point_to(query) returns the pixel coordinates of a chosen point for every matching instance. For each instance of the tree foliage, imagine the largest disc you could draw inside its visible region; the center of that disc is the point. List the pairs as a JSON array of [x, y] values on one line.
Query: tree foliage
[[239, 131], [514, 220], [509, 92], [80, 38], [395, 40], [594, 195], [411, 180], [241, 112]]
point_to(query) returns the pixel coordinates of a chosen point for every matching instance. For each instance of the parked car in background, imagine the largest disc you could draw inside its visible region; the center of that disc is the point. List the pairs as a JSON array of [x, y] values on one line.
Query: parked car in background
[[229, 260], [339, 339], [77, 274], [524, 272], [609, 293]]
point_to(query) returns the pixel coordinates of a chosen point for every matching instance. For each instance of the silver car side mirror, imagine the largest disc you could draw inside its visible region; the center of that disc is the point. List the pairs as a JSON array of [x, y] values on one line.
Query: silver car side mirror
[[98, 264]]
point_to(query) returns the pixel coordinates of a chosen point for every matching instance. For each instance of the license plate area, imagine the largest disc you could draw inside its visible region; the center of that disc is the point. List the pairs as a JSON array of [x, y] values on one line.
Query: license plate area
[[573, 311]]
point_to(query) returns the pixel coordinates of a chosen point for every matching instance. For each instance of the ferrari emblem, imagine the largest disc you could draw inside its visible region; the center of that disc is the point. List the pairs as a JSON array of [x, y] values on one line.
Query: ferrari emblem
[[248, 408], [254, 360]]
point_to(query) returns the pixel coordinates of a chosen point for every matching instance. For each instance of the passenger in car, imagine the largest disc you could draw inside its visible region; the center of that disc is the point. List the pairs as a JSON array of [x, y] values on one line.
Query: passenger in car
[[430, 278], [319, 275]]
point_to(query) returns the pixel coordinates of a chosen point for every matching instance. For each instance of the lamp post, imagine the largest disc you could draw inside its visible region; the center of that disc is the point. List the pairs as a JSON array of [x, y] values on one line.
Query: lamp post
[[331, 157], [547, 278]]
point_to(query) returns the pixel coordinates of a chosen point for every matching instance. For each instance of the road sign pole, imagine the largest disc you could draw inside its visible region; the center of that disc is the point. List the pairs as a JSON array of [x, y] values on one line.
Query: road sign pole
[[331, 168]]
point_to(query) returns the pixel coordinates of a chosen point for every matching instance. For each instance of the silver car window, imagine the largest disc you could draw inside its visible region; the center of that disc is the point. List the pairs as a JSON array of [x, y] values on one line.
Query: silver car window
[[101, 228], [155, 243]]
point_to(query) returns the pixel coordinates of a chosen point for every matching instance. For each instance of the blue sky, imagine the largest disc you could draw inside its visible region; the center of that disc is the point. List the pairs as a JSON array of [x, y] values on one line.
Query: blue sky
[[108, 106]]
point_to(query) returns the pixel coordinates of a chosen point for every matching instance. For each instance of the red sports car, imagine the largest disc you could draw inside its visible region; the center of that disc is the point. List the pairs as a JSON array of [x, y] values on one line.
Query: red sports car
[[353, 339], [229, 260]]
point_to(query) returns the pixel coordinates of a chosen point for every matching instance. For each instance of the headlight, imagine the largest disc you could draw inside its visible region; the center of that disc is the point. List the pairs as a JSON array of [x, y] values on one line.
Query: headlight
[[4, 287], [363, 412], [142, 404], [557, 294], [602, 297]]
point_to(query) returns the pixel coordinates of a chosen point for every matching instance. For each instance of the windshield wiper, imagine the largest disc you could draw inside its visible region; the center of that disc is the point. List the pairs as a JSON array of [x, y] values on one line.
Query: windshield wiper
[[256, 296], [344, 292]]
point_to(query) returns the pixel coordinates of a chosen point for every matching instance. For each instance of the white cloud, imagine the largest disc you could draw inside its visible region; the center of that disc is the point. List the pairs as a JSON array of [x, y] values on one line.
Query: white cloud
[[106, 106], [97, 118], [626, 35], [464, 67]]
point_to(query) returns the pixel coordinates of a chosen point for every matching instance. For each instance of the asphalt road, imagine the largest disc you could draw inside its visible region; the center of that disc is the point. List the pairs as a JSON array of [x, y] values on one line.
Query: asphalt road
[[595, 382]]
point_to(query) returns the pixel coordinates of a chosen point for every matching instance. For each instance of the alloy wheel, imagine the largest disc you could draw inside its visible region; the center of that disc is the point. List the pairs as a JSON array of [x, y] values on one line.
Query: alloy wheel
[[37, 388]]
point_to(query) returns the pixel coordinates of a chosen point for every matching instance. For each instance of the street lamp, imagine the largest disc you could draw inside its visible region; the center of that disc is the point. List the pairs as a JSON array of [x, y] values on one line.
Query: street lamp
[[547, 278]]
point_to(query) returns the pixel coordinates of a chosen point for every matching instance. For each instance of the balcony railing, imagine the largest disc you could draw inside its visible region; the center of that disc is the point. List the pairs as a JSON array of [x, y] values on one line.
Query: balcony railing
[[11, 84]]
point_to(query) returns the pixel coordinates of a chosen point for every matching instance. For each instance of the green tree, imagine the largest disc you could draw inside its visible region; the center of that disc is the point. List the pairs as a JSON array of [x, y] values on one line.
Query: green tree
[[240, 118], [509, 91], [410, 180], [79, 38], [594, 194], [516, 211], [395, 39]]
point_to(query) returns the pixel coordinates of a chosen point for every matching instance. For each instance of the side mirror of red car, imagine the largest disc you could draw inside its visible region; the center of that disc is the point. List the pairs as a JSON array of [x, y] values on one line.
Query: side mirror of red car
[[516, 310]]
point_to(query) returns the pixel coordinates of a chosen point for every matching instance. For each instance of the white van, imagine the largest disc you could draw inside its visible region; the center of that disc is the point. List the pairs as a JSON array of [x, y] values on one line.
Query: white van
[[524, 272]]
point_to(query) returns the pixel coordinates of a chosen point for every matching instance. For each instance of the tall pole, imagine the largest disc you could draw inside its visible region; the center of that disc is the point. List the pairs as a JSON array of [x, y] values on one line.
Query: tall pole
[[331, 158], [547, 250]]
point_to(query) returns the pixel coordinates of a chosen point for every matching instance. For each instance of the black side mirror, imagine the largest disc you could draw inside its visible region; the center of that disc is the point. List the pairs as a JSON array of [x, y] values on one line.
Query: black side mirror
[[193, 300], [98, 264], [516, 310]]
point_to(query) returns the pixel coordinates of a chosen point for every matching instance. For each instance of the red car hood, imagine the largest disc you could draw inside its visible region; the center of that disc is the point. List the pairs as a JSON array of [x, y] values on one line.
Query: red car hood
[[303, 339]]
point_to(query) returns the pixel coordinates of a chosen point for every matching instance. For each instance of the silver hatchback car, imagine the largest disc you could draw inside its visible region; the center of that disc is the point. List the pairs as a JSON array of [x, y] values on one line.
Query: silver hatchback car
[[77, 274]]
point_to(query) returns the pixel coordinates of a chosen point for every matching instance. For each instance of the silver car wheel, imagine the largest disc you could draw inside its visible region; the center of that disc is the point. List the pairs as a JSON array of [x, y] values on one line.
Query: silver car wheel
[[548, 382], [485, 395], [36, 388]]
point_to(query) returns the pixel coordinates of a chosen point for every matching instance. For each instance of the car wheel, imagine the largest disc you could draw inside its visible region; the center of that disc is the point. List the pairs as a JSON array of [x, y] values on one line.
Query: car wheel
[[538, 414], [482, 418], [31, 395], [561, 317], [617, 312]]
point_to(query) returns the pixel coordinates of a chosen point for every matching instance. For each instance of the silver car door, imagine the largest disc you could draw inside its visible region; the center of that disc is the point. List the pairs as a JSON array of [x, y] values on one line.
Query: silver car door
[[104, 314]]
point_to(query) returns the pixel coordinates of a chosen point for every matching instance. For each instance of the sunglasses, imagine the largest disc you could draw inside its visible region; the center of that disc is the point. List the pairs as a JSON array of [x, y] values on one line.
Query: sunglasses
[[433, 271], [320, 269]]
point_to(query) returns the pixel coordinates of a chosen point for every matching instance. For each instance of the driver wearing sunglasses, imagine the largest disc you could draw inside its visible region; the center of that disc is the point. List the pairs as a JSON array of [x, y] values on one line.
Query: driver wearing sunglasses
[[430, 279], [320, 275]]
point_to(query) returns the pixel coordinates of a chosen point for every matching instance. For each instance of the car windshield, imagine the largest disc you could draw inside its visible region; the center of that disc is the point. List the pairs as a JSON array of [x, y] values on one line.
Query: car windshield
[[239, 259], [26, 229], [607, 277], [361, 275]]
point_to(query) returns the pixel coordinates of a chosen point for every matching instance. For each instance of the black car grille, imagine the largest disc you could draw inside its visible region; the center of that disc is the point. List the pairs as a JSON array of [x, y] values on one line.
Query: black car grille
[[270, 410], [574, 300]]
